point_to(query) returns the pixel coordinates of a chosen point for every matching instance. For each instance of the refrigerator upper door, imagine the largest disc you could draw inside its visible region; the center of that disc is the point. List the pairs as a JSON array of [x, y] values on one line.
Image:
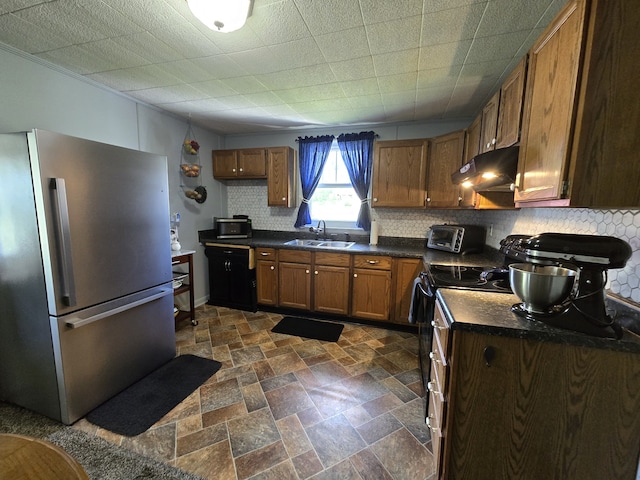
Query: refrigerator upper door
[[103, 218]]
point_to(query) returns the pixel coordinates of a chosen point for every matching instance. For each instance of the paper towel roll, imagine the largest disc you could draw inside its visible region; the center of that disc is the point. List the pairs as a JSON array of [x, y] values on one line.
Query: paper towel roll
[[373, 238]]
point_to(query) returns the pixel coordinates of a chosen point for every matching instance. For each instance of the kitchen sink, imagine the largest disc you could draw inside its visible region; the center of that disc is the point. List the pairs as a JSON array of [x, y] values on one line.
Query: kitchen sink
[[319, 243]]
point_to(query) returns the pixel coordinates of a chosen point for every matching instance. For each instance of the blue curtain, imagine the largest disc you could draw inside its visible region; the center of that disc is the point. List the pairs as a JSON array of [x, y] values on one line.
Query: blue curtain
[[313, 153], [357, 152]]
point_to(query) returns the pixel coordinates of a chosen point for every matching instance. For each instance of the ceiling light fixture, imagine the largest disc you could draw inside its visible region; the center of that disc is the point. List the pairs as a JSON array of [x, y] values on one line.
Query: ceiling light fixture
[[221, 15]]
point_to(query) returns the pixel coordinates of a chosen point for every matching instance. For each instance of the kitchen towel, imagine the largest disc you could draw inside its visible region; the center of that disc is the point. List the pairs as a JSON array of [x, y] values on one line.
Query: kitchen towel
[[135, 409]]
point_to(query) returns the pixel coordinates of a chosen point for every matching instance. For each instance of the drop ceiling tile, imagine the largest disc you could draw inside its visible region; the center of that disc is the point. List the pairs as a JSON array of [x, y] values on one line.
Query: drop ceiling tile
[[136, 78], [24, 36], [394, 35], [406, 98], [365, 86], [279, 22], [148, 47], [311, 94], [451, 25], [375, 11], [187, 40], [93, 57], [402, 82], [333, 49], [431, 6], [263, 99], [150, 15], [215, 89], [299, 53], [234, 102], [255, 61], [405, 61], [238, 41], [298, 77], [496, 47], [220, 67], [472, 73], [12, 5], [189, 70], [353, 69], [438, 77], [330, 104], [366, 101], [504, 16], [443, 55], [170, 94], [245, 84], [328, 16]]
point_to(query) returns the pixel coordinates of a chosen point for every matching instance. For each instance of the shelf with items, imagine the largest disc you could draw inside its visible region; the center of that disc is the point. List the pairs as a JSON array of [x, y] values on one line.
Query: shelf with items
[[183, 284], [190, 168]]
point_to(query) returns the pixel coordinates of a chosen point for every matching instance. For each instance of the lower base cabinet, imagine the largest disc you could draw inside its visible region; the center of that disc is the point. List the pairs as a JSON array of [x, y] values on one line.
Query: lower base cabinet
[[370, 295], [232, 277], [527, 409]]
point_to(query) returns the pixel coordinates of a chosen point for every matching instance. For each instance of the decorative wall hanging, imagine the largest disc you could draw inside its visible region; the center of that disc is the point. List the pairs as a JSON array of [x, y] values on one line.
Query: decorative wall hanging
[[190, 168]]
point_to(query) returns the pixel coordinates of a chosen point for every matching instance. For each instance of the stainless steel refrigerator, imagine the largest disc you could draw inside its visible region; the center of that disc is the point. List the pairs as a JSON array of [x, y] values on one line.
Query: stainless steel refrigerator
[[86, 300]]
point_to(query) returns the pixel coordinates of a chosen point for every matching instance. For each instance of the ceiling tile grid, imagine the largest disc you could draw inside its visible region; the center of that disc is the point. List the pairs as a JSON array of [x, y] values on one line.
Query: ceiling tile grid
[[295, 64]]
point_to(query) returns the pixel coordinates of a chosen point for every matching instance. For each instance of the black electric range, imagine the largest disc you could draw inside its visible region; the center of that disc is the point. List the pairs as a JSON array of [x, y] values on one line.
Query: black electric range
[[467, 277]]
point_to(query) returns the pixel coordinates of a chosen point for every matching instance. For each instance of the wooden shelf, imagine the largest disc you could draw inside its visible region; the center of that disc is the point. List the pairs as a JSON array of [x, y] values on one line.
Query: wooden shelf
[[185, 259]]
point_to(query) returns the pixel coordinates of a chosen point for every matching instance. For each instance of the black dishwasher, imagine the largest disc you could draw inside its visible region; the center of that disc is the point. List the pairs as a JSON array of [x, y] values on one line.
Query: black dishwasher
[[232, 276]]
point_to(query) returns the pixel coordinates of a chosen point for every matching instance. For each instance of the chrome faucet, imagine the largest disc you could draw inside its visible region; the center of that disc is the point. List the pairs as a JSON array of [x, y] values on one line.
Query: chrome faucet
[[317, 230]]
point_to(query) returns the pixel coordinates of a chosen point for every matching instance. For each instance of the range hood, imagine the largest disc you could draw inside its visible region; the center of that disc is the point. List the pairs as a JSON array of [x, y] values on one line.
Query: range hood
[[493, 170]]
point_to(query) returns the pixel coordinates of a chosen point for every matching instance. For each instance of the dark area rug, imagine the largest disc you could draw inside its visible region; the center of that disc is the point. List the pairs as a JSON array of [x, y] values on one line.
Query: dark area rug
[[307, 328], [137, 408]]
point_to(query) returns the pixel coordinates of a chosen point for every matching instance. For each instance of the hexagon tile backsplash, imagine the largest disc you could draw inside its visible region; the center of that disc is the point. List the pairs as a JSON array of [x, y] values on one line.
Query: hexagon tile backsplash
[[250, 198]]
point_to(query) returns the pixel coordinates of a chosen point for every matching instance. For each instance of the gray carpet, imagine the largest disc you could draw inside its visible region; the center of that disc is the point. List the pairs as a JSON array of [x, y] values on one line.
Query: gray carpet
[[100, 459]]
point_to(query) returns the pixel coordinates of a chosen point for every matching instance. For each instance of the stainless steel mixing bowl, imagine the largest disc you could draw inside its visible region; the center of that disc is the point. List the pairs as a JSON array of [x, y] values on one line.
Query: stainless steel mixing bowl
[[540, 286]]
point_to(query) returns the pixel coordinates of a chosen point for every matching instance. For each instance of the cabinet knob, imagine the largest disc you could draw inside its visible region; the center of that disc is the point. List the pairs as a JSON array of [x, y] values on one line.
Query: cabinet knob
[[306, 271], [284, 199], [373, 262], [428, 199], [316, 272], [233, 170], [272, 267], [355, 275], [264, 254], [435, 325], [489, 145], [375, 199], [493, 141], [241, 170], [431, 386]]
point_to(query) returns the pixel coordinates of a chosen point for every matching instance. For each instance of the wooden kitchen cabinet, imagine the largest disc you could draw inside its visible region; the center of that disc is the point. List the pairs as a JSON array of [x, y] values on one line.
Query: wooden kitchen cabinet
[[509, 407], [331, 282], [294, 279], [403, 273], [267, 276], [185, 259], [489, 127], [579, 141], [400, 173], [241, 163], [371, 290], [511, 104], [281, 178], [445, 157]]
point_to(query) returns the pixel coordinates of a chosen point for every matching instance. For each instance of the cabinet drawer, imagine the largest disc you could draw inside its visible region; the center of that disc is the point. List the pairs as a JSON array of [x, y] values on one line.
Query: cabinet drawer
[[435, 415], [440, 334], [333, 259], [294, 256], [265, 253], [438, 373], [377, 262]]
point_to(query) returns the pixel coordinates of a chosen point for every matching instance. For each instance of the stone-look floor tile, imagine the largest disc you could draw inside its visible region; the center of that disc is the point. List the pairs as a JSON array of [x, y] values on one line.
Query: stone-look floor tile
[[223, 414], [288, 400], [256, 338], [281, 471], [251, 432], [412, 416], [329, 372], [199, 350], [309, 416], [404, 457], [189, 425], [387, 364], [277, 382], [364, 387], [188, 407], [310, 348], [212, 463], [334, 440], [247, 355], [398, 389], [293, 435], [342, 471], [368, 466], [224, 338], [200, 439], [289, 362], [220, 394], [263, 370], [403, 359], [158, 443], [307, 379], [278, 351], [307, 464], [378, 428], [332, 399], [357, 416], [361, 352], [325, 357], [260, 460], [254, 397], [382, 404], [356, 335], [229, 371]]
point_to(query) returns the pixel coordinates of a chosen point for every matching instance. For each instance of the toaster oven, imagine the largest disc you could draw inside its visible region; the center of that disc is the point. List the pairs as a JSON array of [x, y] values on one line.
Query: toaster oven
[[236, 227], [457, 238]]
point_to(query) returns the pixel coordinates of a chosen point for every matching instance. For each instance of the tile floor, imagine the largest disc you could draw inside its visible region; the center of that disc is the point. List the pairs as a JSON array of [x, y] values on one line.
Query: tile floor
[[284, 407]]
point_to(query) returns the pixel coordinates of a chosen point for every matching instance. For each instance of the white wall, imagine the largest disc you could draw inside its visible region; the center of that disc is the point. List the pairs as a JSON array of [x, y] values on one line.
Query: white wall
[[33, 95]]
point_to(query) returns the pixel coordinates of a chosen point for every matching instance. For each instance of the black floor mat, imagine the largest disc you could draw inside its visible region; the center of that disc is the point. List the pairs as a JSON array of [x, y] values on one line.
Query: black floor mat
[[137, 408], [307, 328]]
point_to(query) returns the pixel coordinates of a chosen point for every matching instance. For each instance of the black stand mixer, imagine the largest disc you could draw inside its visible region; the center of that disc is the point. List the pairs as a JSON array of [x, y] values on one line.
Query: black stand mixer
[[584, 309]]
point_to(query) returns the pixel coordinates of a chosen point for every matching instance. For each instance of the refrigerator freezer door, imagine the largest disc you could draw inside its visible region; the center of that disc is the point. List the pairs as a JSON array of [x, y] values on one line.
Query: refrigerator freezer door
[[102, 350], [103, 217]]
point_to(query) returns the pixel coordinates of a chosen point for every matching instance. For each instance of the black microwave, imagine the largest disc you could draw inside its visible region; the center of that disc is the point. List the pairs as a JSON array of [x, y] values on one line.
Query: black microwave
[[232, 227]]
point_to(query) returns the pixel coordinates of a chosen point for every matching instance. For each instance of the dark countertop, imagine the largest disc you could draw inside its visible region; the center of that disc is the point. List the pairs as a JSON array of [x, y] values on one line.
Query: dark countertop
[[490, 313]]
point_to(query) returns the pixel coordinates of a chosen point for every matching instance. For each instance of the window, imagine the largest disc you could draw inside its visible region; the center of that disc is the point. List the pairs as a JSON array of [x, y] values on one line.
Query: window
[[334, 199]]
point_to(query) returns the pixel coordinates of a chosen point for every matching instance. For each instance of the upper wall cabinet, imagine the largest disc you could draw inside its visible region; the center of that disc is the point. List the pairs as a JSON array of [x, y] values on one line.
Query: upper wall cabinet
[[445, 157], [400, 173], [243, 163], [579, 142], [281, 177], [511, 103], [489, 126]]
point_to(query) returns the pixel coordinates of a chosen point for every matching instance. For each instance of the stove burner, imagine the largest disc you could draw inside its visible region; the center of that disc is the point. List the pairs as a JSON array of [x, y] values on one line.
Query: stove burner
[[464, 277]]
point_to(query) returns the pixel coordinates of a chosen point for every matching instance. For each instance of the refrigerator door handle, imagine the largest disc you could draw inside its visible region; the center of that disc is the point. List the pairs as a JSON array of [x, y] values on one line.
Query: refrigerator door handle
[[64, 237], [81, 322]]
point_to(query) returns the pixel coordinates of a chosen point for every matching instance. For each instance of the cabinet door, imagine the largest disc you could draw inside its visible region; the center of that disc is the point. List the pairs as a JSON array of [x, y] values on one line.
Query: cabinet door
[[252, 163], [294, 285], [405, 270], [550, 105], [471, 149], [370, 293], [280, 177], [225, 163], [489, 124], [400, 173], [267, 282], [511, 102], [219, 287], [445, 157], [331, 289]]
